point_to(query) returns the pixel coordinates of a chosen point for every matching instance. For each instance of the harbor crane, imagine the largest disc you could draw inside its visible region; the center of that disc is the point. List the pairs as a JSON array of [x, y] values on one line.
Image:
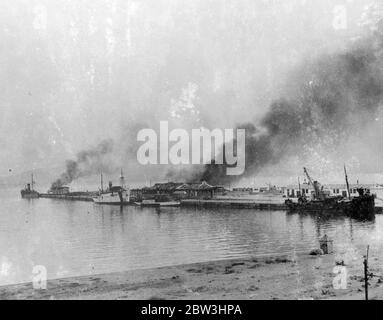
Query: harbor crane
[[316, 185]]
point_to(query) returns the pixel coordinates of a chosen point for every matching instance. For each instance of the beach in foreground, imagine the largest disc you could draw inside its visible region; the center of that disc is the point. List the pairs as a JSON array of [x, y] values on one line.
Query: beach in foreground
[[270, 278]]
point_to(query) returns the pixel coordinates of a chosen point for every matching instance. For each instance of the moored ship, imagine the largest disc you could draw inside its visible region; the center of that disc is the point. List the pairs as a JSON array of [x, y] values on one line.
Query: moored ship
[[361, 206], [113, 195], [28, 192]]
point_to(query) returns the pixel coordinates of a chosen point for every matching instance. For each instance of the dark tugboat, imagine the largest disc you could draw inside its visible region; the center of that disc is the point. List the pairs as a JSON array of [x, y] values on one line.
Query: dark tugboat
[[28, 192], [362, 206]]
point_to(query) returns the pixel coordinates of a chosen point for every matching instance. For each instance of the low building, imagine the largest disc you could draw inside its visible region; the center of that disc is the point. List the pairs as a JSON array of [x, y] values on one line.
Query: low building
[[199, 190], [293, 191], [136, 194], [160, 191], [59, 190], [177, 191], [245, 189]]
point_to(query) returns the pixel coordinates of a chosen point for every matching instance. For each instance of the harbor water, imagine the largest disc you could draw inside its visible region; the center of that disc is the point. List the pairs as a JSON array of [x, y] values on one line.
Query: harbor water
[[71, 238]]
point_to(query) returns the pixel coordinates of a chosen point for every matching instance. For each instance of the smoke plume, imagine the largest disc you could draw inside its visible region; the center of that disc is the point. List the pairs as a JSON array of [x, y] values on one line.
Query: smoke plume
[[325, 101], [87, 162]]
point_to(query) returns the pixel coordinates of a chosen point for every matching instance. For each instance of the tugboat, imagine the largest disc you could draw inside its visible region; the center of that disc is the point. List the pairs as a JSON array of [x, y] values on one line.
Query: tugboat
[[115, 195], [28, 192], [362, 206]]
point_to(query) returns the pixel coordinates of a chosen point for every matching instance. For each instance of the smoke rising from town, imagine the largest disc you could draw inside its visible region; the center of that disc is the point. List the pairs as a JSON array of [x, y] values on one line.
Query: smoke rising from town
[[88, 162], [332, 99], [105, 69]]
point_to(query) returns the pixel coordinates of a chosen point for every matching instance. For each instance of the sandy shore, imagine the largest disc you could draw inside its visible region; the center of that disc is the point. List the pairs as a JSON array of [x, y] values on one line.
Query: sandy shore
[[283, 277]]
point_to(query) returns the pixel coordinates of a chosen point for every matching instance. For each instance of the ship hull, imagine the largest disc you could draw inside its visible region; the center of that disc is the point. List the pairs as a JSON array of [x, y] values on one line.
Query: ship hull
[[359, 207], [29, 195], [116, 198], [112, 203]]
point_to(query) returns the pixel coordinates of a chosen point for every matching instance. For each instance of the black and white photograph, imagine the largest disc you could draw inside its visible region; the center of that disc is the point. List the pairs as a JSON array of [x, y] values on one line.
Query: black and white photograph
[[191, 150]]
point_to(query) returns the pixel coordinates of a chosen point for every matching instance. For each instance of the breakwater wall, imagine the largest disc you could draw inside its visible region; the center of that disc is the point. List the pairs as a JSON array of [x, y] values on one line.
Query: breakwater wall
[[214, 203], [76, 197], [239, 204]]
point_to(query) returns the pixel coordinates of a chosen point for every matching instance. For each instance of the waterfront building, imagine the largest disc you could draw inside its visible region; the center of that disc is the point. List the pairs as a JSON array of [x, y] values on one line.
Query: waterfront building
[[59, 190], [293, 191]]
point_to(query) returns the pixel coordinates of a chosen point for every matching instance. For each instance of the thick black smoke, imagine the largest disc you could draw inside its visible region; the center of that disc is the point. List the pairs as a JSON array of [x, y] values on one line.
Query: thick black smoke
[[87, 162], [326, 100]]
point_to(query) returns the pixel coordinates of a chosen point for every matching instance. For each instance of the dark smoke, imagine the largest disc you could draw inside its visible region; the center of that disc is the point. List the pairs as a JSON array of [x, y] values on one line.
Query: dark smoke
[[87, 162], [326, 101]]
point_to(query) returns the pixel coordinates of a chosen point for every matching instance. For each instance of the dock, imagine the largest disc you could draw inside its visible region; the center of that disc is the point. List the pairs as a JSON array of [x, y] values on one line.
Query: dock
[[243, 204], [259, 204], [71, 197], [238, 204]]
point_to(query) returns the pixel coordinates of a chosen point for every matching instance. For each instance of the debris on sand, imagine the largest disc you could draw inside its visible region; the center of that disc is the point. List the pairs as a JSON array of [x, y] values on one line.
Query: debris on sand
[[316, 252]]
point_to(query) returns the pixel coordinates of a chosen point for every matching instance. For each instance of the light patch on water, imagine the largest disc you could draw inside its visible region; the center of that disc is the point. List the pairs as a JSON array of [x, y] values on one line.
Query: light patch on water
[[6, 266]]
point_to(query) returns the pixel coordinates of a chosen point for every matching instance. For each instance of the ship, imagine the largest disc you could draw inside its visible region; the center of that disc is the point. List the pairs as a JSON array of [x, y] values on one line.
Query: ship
[[28, 192], [361, 206], [113, 195]]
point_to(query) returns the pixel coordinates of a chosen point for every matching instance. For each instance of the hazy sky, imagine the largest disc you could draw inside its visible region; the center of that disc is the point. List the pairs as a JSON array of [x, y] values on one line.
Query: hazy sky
[[73, 73]]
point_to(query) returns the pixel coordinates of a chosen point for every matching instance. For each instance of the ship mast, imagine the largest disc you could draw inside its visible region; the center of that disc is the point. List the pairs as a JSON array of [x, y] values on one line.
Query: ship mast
[[299, 186], [102, 183], [32, 182], [348, 186], [122, 179]]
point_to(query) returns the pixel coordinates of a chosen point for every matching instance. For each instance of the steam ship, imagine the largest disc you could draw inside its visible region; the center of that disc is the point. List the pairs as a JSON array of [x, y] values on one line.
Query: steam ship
[[113, 195], [28, 192], [361, 206]]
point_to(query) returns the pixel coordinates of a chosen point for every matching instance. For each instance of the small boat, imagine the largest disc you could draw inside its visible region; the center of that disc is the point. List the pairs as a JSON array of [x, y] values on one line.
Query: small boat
[[113, 195], [170, 204], [28, 192]]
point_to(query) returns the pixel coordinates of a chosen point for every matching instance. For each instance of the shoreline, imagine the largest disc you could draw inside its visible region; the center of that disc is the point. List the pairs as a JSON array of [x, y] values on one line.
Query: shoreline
[[259, 278]]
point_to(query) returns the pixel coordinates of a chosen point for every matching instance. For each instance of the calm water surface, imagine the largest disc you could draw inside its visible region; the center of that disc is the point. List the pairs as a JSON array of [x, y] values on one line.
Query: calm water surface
[[81, 238]]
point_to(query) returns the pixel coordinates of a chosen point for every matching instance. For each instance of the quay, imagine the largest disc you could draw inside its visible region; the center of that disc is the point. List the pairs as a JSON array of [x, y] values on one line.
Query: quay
[[78, 196], [204, 195], [263, 204], [238, 204]]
